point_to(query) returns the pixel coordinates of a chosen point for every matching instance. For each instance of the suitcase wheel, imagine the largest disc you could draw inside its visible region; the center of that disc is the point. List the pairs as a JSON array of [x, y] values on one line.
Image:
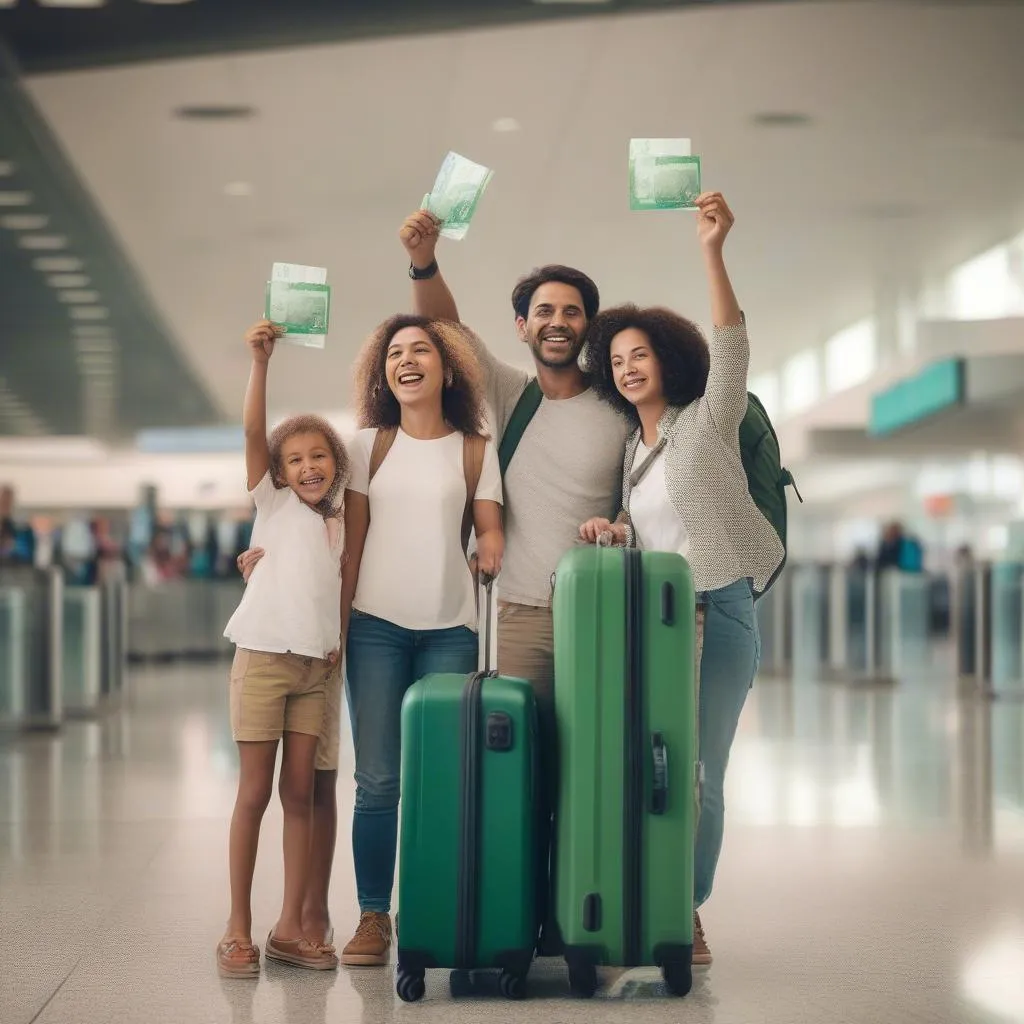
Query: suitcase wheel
[[513, 986], [678, 975], [411, 985], [583, 979]]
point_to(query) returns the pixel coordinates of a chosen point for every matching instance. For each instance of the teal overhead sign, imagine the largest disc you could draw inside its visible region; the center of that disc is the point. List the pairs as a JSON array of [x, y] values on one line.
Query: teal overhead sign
[[937, 387]]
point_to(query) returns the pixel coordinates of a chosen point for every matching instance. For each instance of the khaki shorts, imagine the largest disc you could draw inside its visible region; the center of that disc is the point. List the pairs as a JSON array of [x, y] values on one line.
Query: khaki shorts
[[330, 733], [272, 694]]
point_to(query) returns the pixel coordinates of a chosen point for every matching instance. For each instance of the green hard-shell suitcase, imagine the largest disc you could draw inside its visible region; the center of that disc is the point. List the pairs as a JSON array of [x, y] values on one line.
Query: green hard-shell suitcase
[[624, 624], [469, 857]]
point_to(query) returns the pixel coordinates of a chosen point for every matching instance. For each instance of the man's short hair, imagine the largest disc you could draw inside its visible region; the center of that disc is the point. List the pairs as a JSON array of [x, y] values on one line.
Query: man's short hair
[[522, 294]]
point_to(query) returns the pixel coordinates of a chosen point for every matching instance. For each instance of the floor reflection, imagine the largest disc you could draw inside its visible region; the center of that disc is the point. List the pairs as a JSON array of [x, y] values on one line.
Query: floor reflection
[[873, 870]]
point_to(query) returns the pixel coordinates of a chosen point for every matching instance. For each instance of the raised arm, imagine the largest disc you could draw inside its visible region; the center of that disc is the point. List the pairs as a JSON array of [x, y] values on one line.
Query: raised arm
[[726, 392], [259, 339], [431, 296]]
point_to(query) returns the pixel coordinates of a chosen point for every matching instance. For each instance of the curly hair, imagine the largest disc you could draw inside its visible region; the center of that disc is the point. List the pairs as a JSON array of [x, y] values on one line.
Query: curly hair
[[328, 506], [678, 344], [462, 397], [522, 294]]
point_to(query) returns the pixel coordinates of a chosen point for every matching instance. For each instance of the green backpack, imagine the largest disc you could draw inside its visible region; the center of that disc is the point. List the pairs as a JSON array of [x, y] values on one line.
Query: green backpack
[[767, 478]]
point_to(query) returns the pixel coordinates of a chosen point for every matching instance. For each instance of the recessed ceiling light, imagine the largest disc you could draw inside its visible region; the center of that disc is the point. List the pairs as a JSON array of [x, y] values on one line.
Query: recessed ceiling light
[[58, 264], [238, 189], [89, 312], [79, 297], [68, 281], [43, 242], [24, 221], [95, 345], [215, 112], [96, 361], [10, 198], [6, 168], [505, 124], [90, 331], [781, 119]]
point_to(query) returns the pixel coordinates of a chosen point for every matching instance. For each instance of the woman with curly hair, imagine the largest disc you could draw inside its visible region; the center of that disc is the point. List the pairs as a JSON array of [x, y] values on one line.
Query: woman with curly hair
[[685, 490], [287, 634], [423, 472]]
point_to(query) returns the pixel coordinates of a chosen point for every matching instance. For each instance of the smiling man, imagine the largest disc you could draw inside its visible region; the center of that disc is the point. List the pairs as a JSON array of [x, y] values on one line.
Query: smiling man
[[567, 463]]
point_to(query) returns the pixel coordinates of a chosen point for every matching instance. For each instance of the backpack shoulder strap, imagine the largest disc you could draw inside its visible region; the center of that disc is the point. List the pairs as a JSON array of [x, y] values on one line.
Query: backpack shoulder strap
[[381, 446], [528, 404], [473, 446]]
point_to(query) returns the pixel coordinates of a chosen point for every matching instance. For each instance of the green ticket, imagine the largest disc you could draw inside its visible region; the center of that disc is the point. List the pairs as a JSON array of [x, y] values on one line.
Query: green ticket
[[456, 193], [302, 308], [663, 175]]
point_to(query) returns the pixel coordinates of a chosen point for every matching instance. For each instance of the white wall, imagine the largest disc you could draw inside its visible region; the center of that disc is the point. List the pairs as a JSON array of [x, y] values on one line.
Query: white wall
[[115, 480]]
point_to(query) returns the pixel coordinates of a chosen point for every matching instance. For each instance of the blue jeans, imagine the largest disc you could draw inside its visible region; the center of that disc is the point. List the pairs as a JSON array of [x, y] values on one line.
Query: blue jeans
[[732, 650], [383, 661]]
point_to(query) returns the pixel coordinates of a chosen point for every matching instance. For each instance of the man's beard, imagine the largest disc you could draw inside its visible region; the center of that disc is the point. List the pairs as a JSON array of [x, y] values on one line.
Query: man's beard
[[570, 358]]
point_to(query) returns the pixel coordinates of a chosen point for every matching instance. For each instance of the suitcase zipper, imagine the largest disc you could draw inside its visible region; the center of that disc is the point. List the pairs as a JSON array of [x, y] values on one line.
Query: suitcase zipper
[[469, 846], [633, 788]]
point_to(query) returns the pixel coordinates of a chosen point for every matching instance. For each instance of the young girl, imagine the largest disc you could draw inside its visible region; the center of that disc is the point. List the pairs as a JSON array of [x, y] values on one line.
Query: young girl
[[287, 631], [685, 490], [421, 472]]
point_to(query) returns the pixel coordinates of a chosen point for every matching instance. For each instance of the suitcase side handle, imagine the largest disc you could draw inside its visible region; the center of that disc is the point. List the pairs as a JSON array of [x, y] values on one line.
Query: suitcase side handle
[[668, 604], [659, 776]]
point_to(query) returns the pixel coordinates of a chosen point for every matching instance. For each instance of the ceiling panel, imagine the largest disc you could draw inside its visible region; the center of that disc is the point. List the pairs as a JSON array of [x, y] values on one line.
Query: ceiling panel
[[912, 158], [126, 31]]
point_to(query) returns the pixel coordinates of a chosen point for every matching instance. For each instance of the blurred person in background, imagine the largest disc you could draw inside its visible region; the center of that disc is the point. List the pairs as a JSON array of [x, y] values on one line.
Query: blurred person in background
[[160, 563], [889, 547], [17, 540]]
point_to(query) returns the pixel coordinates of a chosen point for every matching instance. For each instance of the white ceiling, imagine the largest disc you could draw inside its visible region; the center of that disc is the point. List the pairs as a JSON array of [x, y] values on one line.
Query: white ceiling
[[916, 110]]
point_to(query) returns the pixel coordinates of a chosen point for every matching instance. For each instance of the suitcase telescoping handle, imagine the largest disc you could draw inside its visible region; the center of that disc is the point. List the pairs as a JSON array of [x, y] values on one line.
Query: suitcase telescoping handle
[[487, 602], [659, 776]]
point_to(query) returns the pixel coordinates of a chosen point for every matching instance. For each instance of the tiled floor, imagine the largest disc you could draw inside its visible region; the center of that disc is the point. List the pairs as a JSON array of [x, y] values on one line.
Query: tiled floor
[[873, 871]]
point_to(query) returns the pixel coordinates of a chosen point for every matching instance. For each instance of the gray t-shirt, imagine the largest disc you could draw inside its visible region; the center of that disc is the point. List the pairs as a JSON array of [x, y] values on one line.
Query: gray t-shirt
[[567, 468]]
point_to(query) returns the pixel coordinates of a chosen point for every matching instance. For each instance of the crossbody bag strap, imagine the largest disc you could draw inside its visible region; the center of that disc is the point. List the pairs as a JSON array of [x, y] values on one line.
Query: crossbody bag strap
[[641, 471], [382, 443], [473, 446], [528, 404]]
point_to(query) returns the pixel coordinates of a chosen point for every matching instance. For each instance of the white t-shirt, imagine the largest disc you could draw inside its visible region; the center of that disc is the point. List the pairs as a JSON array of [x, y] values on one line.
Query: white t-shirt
[[656, 524], [413, 570], [292, 602]]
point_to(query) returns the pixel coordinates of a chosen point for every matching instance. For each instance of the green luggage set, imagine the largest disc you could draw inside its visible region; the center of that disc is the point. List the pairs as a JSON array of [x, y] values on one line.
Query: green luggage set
[[623, 871]]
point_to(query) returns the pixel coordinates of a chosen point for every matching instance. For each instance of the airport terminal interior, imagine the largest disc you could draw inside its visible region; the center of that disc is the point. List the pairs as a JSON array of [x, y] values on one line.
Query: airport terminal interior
[[165, 165]]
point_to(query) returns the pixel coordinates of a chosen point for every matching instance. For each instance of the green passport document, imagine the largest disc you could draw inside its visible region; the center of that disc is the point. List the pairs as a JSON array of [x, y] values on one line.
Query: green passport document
[[457, 190], [663, 175], [299, 299]]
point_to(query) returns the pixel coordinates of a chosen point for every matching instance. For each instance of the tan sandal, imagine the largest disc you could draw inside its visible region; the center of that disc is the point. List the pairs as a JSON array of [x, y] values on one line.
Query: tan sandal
[[238, 958], [314, 956]]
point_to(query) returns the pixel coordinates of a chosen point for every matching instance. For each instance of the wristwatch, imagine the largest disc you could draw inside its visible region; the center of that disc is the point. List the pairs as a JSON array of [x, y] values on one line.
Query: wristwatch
[[425, 274]]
